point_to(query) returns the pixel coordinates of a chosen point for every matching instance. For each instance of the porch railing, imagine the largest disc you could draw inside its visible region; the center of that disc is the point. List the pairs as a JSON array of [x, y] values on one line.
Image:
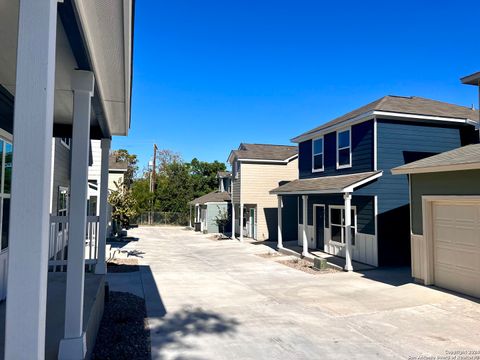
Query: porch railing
[[58, 243]]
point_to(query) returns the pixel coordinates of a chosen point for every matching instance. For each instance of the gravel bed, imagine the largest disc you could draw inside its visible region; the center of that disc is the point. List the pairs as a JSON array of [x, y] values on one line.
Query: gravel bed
[[122, 265], [123, 332], [271, 254], [307, 266]]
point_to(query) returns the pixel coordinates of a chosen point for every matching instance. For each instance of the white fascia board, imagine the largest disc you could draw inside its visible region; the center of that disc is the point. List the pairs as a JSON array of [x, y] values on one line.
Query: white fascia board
[[352, 187], [263, 161], [438, 168], [376, 113]]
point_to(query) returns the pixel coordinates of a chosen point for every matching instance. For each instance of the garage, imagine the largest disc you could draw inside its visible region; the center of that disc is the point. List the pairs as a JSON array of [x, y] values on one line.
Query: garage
[[456, 246]]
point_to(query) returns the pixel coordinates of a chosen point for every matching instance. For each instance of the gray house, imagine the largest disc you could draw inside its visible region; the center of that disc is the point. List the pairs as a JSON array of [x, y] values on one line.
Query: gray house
[[208, 208]]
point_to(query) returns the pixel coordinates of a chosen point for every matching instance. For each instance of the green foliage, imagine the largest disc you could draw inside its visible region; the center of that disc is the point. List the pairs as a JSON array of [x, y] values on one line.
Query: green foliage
[[124, 205], [132, 167], [176, 183]]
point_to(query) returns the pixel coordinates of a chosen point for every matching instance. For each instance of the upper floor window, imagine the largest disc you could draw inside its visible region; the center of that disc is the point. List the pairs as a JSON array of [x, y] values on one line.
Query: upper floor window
[[237, 169], [344, 149], [66, 142], [317, 155]]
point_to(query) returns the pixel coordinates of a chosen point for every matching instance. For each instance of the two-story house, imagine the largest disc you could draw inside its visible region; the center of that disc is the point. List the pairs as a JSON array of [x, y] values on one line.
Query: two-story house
[[212, 206], [256, 169], [349, 204]]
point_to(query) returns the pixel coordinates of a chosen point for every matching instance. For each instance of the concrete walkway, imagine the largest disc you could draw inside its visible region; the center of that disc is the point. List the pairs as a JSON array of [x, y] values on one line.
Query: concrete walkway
[[211, 299]]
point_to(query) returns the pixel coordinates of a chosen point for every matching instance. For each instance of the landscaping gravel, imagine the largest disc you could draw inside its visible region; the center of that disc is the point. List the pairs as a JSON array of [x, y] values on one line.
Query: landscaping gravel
[[307, 266], [123, 332]]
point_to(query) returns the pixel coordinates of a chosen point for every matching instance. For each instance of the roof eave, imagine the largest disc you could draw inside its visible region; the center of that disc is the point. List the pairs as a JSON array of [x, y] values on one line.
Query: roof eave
[[433, 169], [472, 79]]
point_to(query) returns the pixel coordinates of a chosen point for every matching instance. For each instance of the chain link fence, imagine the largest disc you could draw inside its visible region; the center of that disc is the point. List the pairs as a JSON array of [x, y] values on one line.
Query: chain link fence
[[161, 218]]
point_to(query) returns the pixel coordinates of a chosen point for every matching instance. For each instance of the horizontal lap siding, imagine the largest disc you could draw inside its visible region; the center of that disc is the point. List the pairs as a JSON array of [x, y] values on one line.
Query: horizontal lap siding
[[399, 143], [362, 153], [256, 182]]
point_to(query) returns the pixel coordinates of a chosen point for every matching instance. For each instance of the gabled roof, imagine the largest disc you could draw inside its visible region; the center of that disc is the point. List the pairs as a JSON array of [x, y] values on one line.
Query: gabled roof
[[326, 184], [400, 105], [464, 158], [214, 196], [264, 152], [224, 174], [114, 164]]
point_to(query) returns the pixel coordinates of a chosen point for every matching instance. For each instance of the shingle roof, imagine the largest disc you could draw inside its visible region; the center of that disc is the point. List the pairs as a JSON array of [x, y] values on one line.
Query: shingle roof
[[214, 196], [113, 164], [224, 174], [265, 152], [466, 157], [325, 184], [408, 105]]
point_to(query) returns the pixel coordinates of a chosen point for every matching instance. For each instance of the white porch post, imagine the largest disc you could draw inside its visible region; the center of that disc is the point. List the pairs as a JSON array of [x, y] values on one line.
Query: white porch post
[[190, 217], [73, 345], [241, 222], [305, 219], [233, 219], [30, 200], [348, 231], [279, 236], [101, 266]]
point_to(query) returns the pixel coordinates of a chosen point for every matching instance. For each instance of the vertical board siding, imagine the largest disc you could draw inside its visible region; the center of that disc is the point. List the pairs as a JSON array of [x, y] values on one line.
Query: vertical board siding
[[61, 171], [362, 153], [257, 179], [398, 143]]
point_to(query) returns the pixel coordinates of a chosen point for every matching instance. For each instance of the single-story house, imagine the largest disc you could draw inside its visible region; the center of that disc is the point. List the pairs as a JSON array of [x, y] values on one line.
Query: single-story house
[[208, 208]]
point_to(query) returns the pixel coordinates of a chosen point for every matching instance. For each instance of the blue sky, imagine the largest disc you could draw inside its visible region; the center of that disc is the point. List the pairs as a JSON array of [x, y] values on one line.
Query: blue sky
[[211, 74]]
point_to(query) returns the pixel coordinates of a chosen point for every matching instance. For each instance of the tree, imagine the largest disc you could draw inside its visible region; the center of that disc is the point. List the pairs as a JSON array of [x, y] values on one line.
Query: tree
[[124, 206], [123, 155], [204, 176]]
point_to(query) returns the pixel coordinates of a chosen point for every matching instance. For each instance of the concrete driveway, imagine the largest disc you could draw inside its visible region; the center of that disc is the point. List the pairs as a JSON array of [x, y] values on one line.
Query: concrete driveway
[[211, 299]]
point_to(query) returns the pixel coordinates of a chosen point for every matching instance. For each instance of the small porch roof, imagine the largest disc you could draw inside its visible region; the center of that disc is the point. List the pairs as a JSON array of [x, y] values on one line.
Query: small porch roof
[[327, 184], [213, 197]]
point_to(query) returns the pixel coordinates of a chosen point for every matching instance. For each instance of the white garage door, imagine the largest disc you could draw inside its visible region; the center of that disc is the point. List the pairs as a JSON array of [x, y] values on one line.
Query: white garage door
[[456, 235]]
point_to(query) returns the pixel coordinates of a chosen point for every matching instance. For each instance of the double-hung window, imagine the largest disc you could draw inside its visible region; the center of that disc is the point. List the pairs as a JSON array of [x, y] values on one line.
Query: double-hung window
[[317, 155], [344, 149], [337, 224]]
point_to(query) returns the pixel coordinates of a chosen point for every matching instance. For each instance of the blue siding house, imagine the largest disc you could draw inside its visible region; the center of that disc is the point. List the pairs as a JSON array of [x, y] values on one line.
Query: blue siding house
[[349, 204]]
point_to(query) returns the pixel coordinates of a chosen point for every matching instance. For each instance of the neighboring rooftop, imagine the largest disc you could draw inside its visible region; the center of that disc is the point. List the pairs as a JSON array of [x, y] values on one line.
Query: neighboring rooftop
[[412, 105], [473, 79], [327, 184], [214, 196], [224, 174], [264, 152], [467, 157], [114, 164]]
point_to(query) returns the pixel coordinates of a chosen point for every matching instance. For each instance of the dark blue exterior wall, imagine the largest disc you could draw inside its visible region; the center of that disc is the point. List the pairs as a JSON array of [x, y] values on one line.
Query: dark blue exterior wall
[[362, 153], [399, 143]]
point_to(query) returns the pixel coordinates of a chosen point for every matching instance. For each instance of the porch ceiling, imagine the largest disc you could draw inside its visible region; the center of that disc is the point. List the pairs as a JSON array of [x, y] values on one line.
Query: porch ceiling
[[91, 35], [326, 184]]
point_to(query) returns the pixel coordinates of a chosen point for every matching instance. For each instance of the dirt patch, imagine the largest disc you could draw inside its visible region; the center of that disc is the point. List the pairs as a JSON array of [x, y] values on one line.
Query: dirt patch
[[270, 254], [307, 266], [122, 265], [123, 332]]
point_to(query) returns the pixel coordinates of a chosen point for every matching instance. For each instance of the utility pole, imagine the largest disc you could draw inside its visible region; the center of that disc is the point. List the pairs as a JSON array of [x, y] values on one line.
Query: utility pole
[[152, 182]]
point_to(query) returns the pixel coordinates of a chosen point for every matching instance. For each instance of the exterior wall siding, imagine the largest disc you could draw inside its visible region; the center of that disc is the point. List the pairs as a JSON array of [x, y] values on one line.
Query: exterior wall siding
[[362, 153], [441, 183], [256, 181], [61, 171], [213, 211], [399, 143]]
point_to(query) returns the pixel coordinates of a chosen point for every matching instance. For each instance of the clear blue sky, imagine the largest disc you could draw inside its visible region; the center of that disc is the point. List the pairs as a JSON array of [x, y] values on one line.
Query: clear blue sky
[[211, 74]]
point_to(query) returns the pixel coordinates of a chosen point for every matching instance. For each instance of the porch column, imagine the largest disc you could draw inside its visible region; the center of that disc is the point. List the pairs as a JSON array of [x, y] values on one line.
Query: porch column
[[190, 217], [347, 197], [233, 219], [31, 181], [279, 236], [101, 266], [73, 345], [305, 219], [241, 222]]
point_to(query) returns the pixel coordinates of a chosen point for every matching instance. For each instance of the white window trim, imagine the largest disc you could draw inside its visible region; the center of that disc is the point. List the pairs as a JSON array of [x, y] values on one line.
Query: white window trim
[[349, 165], [64, 143], [313, 155], [354, 223]]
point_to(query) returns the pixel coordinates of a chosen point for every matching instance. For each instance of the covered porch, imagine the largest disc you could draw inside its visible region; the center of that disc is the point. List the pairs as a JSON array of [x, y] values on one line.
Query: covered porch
[[327, 220], [64, 73]]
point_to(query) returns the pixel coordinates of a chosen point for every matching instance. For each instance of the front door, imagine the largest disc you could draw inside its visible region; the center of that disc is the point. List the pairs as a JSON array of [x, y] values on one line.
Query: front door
[[320, 226], [252, 223]]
